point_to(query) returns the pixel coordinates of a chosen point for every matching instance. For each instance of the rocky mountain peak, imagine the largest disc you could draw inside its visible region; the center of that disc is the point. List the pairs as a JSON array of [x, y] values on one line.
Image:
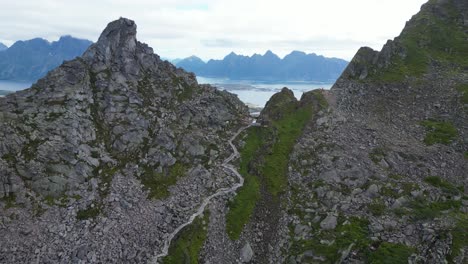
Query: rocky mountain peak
[[278, 105], [435, 37], [117, 40], [117, 124], [3, 47]]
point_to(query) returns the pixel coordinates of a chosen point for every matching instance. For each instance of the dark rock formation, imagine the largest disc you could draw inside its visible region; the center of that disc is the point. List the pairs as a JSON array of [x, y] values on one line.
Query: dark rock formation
[[380, 173], [111, 152], [85, 148], [394, 134]]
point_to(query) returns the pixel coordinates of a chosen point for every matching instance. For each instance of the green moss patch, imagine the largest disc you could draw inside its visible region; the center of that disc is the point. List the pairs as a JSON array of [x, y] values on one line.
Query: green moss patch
[[29, 150], [377, 208], [389, 253], [352, 232], [186, 247], [428, 38], [289, 129], [377, 154], [158, 183], [446, 186], [265, 155], [10, 200], [88, 213], [241, 208], [424, 210], [460, 237], [439, 132], [463, 89]]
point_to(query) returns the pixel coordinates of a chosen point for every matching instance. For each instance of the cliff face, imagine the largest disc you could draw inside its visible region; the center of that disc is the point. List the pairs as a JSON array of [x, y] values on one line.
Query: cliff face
[[428, 57], [89, 153], [378, 171], [111, 152], [383, 172]]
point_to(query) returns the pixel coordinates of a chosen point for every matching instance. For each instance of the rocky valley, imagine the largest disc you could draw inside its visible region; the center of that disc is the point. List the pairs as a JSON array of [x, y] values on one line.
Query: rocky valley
[[112, 153]]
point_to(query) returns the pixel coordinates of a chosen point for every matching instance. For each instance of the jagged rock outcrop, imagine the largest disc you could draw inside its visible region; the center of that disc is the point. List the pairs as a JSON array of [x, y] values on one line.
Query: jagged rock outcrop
[[108, 153], [372, 171], [389, 156], [278, 105], [379, 171]]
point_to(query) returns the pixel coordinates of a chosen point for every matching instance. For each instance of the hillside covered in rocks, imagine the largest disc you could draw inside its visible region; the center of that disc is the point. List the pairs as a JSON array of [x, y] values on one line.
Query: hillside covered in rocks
[[373, 171], [108, 153], [113, 151]]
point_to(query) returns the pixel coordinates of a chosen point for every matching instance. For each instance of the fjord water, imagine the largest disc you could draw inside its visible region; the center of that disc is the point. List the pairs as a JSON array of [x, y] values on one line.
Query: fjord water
[[256, 93], [253, 93], [13, 86]]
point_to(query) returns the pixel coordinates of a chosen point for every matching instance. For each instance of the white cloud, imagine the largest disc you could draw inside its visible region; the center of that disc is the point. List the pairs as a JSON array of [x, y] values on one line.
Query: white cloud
[[213, 28]]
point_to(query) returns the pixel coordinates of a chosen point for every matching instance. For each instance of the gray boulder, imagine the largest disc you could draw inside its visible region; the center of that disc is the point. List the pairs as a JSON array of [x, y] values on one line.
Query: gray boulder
[[247, 253]]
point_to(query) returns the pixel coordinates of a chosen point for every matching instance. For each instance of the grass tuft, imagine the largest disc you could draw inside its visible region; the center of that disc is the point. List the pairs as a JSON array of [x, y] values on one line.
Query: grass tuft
[[439, 132], [389, 253], [186, 247], [158, 183]]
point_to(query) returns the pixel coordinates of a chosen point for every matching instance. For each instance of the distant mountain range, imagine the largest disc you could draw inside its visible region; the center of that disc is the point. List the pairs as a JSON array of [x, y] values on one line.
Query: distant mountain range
[[296, 66], [32, 59], [3, 47]]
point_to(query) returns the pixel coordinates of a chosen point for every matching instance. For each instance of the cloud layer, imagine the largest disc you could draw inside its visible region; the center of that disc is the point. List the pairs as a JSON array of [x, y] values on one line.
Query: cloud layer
[[213, 28]]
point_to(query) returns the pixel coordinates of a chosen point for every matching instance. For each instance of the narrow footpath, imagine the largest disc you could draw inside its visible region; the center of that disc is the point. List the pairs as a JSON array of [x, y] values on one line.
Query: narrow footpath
[[206, 201]]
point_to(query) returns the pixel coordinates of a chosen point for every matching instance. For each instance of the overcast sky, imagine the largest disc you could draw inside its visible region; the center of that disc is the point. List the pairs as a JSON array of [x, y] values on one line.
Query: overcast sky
[[213, 28]]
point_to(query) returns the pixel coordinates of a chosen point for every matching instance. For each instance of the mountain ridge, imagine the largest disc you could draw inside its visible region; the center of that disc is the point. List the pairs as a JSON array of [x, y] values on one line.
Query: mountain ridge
[[296, 66], [31, 59], [101, 160], [115, 139]]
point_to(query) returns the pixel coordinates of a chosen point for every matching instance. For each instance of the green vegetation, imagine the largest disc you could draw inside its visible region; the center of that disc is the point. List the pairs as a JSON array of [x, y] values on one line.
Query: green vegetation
[[377, 208], [389, 253], [396, 177], [389, 191], [355, 232], [460, 237], [244, 202], [439, 132], [187, 90], [10, 158], [90, 212], [30, 149], [105, 173], [463, 88], [266, 156], [158, 183], [289, 129], [423, 210], [51, 200], [427, 38], [443, 184], [408, 187], [53, 116], [10, 200], [377, 154], [186, 248], [145, 88]]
